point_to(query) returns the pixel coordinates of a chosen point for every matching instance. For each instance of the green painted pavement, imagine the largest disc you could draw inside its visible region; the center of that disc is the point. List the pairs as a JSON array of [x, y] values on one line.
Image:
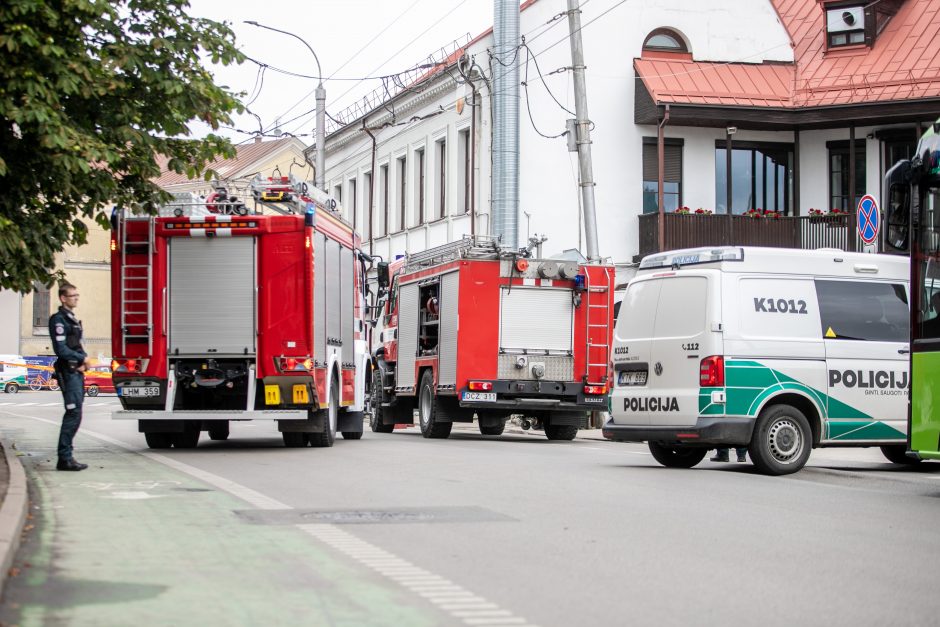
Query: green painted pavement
[[131, 541]]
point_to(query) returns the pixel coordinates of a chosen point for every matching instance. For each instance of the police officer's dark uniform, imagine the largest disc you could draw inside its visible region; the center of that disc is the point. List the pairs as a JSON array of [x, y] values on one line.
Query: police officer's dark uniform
[[65, 330]]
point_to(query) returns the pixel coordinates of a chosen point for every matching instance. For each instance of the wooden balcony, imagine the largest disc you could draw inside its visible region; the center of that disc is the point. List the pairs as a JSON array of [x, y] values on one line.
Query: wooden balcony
[[694, 230]]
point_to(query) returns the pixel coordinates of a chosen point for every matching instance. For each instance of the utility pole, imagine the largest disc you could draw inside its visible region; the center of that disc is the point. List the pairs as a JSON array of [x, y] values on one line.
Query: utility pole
[[583, 130]]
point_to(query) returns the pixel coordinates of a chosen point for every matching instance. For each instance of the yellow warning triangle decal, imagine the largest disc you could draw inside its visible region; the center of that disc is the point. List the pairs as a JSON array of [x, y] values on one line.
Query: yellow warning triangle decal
[[831, 333]]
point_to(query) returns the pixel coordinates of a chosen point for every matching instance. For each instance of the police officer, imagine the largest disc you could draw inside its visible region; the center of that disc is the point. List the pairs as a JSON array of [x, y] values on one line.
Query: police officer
[[65, 330]]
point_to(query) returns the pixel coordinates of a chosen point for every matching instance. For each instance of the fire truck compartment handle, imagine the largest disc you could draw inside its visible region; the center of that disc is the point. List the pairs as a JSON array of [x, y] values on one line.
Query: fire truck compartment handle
[[164, 312]]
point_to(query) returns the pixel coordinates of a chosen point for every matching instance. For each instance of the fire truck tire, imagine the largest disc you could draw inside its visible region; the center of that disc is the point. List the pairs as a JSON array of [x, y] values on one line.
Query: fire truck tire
[[352, 435], [430, 410], [561, 432], [676, 456], [492, 429], [219, 431], [375, 418], [188, 438], [325, 438], [159, 440], [293, 439]]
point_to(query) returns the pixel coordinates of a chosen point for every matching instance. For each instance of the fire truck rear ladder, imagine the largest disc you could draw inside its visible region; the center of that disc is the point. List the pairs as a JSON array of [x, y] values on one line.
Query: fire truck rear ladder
[[136, 287], [597, 317]]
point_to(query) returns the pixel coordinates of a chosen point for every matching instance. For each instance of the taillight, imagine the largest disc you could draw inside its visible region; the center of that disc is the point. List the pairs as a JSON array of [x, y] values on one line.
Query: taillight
[[712, 372], [480, 386], [129, 365], [294, 364], [595, 390]]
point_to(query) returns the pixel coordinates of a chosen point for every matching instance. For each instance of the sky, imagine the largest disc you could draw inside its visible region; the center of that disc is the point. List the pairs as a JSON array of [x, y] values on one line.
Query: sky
[[352, 39]]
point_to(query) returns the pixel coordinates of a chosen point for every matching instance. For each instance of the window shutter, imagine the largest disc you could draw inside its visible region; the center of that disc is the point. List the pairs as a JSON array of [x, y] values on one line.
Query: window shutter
[[40, 305], [672, 163]]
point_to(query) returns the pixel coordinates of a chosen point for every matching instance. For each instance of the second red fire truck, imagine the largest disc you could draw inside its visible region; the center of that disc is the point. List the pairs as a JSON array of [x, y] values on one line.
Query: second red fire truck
[[221, 314], [475, 329]]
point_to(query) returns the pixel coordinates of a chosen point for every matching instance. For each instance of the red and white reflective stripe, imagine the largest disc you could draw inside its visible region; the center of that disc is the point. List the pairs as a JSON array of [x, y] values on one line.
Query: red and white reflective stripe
[[215, 232], [211, 219]]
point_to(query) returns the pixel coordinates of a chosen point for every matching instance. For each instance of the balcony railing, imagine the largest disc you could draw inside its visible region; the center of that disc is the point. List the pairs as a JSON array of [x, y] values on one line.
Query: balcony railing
[[694, 230]]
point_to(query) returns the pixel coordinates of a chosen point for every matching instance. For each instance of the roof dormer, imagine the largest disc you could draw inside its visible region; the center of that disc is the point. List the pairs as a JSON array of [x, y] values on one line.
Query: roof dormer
[[856, 22]]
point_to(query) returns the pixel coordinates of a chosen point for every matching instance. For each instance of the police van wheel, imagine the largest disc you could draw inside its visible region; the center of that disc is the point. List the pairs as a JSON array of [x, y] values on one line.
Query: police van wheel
[[325, 438], [782, 440], [92, 390], [677, 456], [429, 408], [159, 440], [375, 418], [11, 388], [895, 455]]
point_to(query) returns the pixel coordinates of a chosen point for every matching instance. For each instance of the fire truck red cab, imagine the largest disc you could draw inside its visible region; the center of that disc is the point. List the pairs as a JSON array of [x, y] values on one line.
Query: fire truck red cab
[[472, 329], [223, 314]]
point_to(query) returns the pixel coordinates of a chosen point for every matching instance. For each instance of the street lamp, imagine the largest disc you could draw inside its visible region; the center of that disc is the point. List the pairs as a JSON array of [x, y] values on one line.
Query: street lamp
[[320, 180]]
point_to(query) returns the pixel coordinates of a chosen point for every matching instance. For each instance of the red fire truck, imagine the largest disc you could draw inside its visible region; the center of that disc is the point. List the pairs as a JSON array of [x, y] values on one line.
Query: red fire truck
[[470, 328], [222, 314]]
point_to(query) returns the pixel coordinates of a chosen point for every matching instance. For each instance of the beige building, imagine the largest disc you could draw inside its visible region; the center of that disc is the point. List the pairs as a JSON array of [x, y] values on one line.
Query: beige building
[[88, 267]]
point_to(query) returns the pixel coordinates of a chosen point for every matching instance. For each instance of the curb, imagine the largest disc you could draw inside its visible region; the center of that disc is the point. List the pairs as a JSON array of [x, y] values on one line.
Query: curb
[[12, 512]]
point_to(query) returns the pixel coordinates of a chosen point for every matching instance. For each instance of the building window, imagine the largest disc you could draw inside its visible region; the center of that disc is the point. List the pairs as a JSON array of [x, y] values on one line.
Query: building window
[[383, 194], [419, 186], [367, 208], [338, 194], [402, 188], [41, 300], [761, 177], [839, 197], [465, 176], [440, 178], [353, 209], [665, 40], [845, 25], [672, 175]]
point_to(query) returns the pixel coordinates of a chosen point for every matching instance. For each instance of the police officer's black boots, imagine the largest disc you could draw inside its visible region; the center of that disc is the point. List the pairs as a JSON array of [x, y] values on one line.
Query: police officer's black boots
[[70, 464]]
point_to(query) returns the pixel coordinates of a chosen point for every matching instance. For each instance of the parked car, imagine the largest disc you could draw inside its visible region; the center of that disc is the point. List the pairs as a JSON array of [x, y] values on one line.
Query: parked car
[[98, 380]]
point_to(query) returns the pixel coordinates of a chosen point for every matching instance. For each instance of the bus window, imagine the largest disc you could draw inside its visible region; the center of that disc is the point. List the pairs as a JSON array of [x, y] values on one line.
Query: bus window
[[928, 318]]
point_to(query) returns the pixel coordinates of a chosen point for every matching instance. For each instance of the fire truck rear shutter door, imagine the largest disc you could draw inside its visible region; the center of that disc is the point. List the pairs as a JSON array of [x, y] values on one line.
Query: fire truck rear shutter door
[[348, 293], [212, 296], [535, 318], [332, 290], [407, 334], [450, 294], [319, 298]]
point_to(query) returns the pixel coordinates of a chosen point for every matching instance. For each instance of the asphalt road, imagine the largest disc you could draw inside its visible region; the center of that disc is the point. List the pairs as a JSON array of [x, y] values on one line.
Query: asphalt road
[[512, 530]]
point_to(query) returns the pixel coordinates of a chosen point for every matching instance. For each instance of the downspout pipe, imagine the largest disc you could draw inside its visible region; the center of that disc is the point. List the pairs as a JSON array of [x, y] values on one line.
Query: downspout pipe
[[505, 175], [661, 176], [371, 188]]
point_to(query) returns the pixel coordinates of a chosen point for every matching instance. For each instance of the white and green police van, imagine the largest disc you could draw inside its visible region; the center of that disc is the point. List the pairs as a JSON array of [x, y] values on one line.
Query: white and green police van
[[778, 350], [12, 373]]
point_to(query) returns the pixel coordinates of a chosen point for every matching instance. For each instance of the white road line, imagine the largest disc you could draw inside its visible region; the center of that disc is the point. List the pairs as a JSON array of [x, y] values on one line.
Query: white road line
[[450, 600], [25, 405], [48, 404]]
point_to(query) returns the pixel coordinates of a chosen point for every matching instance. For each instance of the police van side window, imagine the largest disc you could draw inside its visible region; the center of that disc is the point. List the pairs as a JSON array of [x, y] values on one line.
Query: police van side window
[[856, 310]]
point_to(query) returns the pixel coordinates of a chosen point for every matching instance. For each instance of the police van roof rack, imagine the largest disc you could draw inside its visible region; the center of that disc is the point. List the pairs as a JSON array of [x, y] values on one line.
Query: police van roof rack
[[468, 247]]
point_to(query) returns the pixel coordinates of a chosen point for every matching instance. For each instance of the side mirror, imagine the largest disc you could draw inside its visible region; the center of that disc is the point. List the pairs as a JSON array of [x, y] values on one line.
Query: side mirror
[[382, 274]]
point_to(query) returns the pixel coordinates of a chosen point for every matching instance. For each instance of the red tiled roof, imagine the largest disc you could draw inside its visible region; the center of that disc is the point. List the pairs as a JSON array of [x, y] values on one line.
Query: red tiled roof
[[904, 63], [245, 156]]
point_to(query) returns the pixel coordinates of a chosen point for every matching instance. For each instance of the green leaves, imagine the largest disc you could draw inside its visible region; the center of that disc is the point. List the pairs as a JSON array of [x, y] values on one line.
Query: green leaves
[[91, 92]]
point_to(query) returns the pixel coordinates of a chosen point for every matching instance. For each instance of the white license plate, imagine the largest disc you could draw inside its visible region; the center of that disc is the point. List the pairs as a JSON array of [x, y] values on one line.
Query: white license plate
[[150, 390], [479, 396], [631, 377]]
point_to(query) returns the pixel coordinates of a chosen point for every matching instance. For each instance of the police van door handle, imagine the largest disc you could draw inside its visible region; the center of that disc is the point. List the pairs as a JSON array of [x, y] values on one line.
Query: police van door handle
[[903, 351]]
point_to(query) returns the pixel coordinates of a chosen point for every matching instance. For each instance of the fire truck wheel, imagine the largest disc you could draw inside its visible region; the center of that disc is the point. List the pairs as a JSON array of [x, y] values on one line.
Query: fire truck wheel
[[219, 431], [352, 435], [429, 409], [560, 432], [159, 440], [375, 418], [676, 456], [492, 429], [189, 438], [325, 438], [292, 439]]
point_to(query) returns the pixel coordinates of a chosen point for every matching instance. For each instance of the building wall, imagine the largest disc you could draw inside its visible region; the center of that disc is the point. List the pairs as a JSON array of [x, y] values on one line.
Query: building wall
[[714, 30], [10, 329]]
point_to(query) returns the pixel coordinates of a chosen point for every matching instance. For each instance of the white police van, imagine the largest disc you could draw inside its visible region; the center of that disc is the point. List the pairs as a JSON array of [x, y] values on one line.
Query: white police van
[[12, 373], [778, 350]]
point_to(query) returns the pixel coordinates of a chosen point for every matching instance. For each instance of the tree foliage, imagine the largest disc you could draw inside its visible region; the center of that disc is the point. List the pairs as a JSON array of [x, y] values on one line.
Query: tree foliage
[[91, 93]]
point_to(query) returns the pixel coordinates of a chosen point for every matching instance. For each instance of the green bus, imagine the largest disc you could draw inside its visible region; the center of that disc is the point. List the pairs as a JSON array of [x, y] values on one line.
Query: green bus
[[912, 226]]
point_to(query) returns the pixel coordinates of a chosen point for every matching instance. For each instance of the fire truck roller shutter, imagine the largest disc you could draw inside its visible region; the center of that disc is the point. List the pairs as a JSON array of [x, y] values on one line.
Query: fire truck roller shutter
[[212, 296], [535, 318], [346, 306], [407, 334], [319, 298], [333, 291], [450, 295]]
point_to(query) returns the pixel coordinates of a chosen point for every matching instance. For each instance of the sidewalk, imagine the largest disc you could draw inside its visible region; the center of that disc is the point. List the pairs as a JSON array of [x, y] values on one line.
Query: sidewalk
[[13, 507]]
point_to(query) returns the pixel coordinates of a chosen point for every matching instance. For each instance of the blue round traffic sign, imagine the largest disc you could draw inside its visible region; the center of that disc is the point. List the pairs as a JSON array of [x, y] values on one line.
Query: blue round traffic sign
[[869, 219]]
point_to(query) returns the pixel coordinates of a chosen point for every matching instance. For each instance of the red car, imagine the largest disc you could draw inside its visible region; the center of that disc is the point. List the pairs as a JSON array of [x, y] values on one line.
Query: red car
[[98, 380]]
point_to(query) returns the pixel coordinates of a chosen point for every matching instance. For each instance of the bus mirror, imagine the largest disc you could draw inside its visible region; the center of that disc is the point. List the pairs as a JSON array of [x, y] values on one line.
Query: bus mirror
[[382, 273]]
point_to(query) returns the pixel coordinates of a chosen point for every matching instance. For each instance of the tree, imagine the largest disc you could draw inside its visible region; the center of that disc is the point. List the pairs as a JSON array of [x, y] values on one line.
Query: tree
[[91, 93]]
